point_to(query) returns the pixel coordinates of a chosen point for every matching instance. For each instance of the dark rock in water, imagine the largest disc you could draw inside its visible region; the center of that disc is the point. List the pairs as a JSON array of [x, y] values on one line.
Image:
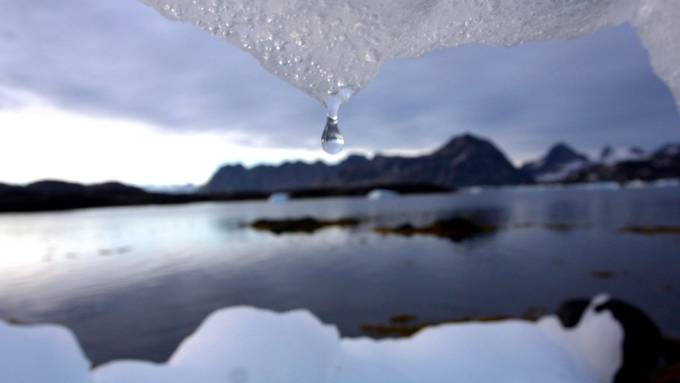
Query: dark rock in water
[[464, 161], [670, 370], [647, 357], [403, 318], [570, 312], [651, 230], [643, 346], [559, 226], [670, 374], [642, 342], [456, 229], [300, 225], [603, 274]]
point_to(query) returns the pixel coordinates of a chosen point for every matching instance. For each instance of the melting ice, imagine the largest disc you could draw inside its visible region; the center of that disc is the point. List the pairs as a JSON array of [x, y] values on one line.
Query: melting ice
[[322, 46]]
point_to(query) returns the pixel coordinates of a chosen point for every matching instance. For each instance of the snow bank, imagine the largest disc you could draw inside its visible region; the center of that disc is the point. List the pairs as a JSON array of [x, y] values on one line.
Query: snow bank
[[243, 344], [322, 46], [41, 354]]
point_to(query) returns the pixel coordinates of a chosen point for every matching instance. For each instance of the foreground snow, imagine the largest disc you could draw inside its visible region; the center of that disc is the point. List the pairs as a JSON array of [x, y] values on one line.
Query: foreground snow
[[244, 344]]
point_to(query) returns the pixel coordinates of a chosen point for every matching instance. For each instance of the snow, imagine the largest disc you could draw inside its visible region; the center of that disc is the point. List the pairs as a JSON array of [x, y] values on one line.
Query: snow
[[611, 156], [670, 150], [323, 46], [245, 344], [563, 172]]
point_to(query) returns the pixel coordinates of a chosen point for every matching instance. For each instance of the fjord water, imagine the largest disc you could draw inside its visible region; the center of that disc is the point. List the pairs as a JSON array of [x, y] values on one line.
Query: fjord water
[[133, 282]]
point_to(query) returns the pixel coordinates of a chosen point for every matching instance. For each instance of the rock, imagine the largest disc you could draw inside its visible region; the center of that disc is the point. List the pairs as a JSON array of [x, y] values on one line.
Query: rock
[[300, 225], [456, 229]]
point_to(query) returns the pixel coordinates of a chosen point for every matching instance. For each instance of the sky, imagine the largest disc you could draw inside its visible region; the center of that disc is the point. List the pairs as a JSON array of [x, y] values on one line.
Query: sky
[[95, 90]]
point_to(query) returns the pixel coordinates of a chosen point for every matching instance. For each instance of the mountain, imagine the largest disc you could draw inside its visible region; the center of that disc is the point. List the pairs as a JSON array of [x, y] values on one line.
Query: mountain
[[634, 165], [288, 176], [611, 156], [556, 164], [463, 161]]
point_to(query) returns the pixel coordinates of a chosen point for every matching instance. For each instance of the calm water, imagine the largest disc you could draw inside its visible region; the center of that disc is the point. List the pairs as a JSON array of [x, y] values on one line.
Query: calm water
[[132, 282]]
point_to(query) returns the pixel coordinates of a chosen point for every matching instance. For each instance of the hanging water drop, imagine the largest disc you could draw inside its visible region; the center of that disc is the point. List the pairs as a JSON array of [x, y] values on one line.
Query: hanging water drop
[[332, 140]]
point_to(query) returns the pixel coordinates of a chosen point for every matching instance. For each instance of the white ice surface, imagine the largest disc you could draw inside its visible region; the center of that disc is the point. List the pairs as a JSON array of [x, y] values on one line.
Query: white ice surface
[[248, 345], [321, 46], [41, 354]]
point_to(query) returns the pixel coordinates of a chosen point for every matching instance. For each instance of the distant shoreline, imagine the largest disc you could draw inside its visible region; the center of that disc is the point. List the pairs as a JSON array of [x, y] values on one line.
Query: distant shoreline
[[45, 196], [60, 196]]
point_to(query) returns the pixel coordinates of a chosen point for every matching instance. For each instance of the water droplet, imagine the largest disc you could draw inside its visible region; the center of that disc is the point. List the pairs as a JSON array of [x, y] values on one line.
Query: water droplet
[[332, 140]]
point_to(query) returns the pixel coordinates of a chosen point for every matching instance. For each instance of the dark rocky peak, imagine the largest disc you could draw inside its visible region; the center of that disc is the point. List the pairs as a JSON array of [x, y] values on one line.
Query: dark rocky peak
[[462, 144], [354, 160], [668, 150], [606, 152], [562, 153]]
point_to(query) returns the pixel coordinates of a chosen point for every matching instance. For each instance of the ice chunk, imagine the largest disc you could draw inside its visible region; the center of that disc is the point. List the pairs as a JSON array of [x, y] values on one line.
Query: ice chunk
[[240, 345], [248, 345], [377, 194], [41, 354], [322, 46]]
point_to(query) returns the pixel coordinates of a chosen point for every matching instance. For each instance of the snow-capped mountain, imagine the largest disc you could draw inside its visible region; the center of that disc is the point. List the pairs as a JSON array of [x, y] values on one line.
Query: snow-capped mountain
[[560, 161], [624, 165], [562, 164], [610, 155]]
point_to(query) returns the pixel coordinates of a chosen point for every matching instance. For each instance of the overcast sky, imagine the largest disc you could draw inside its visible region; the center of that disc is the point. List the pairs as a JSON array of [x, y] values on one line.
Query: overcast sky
[[94, 90]]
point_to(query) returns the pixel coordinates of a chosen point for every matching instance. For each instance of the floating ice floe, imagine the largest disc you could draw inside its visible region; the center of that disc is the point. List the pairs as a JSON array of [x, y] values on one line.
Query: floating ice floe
[[323, 47], [279, 197], [244, 344], [41, 354], [377, 194]]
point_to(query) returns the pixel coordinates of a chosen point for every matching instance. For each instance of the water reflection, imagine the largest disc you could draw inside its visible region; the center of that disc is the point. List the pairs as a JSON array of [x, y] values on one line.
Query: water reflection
[[133, 282]]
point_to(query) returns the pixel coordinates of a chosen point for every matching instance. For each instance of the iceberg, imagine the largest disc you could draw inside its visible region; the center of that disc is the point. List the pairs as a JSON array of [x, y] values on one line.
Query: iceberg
[[378, 194], [37, 354], [245, 344], [324, 47]]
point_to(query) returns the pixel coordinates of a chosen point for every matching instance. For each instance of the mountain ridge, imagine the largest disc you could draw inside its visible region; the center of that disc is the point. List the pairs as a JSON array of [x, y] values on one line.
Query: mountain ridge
[[560, 160], [462, 161], [465, 160]]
